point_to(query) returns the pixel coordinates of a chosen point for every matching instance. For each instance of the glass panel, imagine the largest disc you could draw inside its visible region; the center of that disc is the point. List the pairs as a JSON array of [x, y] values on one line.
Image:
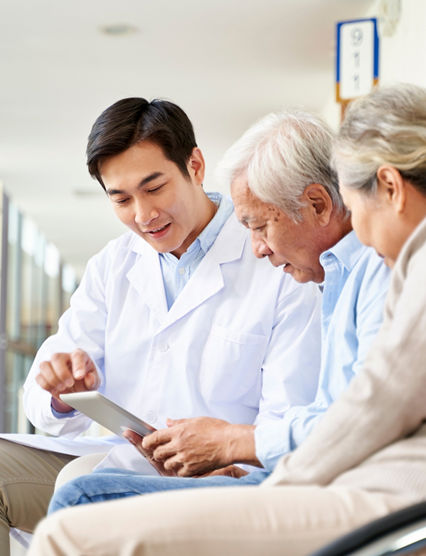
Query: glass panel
[[28, 282], [69, 284], [17, 366], [52, 266], [13, 307], [38, 286]]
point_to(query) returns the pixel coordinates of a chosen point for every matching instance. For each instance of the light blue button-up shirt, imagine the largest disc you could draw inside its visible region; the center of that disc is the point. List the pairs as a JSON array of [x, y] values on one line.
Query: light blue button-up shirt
[[176, 272], [354, 290]]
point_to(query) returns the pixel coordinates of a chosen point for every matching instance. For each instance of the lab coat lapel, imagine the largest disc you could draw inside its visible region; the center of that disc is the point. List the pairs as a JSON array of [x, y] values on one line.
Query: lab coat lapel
[[145, 276], [207, 279]]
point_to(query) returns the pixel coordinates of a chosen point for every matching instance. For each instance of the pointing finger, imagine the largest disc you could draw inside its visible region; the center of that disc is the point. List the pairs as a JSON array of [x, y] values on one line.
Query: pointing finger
[[81, 364]]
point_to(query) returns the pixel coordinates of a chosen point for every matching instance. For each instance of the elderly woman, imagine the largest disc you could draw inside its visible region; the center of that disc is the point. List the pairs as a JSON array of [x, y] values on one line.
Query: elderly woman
[[367, 457]]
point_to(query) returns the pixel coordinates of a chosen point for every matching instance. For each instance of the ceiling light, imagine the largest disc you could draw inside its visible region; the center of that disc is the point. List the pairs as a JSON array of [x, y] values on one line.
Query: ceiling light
[[87, 192], [119, 29]]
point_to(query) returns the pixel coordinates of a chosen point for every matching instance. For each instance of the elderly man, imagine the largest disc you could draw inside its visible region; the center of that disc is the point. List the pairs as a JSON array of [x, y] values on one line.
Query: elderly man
[[286, 194]]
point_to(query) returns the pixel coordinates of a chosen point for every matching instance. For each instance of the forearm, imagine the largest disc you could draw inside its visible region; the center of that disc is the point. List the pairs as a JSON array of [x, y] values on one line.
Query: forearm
[[384, 402], [277, 437]]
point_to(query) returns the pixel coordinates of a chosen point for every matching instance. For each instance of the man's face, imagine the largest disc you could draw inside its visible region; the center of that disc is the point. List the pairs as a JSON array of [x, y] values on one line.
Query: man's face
[[153, 198], [292, 244]]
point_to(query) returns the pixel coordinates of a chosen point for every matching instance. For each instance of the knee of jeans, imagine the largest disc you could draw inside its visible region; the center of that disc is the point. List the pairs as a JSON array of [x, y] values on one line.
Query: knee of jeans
[[67, 495]]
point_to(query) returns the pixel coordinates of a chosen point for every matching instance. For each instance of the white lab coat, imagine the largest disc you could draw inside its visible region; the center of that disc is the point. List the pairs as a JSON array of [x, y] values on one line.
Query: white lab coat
[[241, 341]]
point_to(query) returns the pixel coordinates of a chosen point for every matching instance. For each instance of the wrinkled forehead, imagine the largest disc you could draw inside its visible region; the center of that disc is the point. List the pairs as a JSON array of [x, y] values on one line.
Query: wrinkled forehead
[[248, 207]]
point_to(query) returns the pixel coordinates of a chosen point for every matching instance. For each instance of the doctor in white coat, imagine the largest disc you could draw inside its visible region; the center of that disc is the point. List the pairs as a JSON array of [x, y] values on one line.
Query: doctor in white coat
[[176, 321]]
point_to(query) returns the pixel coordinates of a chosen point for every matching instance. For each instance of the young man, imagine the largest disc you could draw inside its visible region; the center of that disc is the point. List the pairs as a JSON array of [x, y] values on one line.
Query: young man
[[174, 319]]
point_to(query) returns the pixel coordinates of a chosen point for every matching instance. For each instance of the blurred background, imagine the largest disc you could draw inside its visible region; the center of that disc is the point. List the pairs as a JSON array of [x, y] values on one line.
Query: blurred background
[[226, 63]]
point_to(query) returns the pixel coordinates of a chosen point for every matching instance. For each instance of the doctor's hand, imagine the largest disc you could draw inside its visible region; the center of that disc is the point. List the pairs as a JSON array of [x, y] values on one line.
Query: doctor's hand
[[192, 447], [67, 372]]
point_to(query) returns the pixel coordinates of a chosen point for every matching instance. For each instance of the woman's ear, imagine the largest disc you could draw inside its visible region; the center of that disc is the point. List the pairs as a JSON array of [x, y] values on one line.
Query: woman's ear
[[391, 187], [319, 202], [196, 166]]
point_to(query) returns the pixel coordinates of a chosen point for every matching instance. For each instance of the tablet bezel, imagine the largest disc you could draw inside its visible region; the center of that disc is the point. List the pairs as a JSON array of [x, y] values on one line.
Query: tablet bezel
[[106, 412]]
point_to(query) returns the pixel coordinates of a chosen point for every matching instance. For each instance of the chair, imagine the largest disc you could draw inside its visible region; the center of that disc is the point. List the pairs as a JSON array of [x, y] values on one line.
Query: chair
[[402, 532]]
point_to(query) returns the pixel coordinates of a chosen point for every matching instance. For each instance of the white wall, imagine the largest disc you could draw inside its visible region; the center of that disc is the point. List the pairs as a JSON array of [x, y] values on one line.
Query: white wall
[[402, 53]]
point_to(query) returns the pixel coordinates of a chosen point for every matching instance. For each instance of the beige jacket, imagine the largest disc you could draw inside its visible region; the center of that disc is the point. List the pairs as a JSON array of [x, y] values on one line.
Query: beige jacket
[[374, 436]]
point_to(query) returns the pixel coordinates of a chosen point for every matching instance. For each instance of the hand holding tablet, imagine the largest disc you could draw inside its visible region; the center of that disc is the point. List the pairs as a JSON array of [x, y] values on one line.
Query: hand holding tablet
[[106, 412]]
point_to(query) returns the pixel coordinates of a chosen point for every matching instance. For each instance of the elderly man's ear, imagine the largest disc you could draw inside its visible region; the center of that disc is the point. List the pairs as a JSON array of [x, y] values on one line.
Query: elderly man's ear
[[318, 203]]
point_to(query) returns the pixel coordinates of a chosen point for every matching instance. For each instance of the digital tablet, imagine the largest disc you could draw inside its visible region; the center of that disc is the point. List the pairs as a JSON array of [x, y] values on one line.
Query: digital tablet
[[106, 412]]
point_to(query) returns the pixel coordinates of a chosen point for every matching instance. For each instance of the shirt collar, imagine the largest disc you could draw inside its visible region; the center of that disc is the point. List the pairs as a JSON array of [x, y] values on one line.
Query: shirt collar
[[348, 251], [208, 236], [210, 232]]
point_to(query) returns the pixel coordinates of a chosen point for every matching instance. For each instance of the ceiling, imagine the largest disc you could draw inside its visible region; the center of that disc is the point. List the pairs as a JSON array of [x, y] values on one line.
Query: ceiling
[[226, 63]]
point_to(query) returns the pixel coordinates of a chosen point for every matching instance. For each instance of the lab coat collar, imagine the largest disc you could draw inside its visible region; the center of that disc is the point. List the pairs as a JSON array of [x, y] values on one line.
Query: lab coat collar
[[206, 281], [145, 276]]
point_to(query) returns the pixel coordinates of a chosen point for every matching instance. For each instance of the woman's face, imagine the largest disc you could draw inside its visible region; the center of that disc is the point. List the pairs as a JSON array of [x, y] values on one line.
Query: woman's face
[[375, 222]]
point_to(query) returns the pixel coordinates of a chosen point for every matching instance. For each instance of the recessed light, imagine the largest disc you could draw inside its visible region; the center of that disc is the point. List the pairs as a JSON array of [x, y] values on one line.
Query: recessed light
[[87, 192], [119, 29]]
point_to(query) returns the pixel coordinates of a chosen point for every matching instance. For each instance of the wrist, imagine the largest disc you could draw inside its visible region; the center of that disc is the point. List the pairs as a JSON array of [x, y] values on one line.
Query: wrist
[[60, 406], [240, 445]]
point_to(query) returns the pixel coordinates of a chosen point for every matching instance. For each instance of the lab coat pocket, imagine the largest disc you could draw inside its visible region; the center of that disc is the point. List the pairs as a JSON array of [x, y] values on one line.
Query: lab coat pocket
[[231, 365]]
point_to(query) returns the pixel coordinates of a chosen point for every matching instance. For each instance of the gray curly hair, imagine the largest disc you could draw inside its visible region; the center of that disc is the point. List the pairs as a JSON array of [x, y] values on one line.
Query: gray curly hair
[[386, 127], [282, 154]]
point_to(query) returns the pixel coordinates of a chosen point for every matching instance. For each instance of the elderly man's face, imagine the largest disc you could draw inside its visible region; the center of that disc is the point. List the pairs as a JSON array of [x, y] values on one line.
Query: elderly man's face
[[295, 245]]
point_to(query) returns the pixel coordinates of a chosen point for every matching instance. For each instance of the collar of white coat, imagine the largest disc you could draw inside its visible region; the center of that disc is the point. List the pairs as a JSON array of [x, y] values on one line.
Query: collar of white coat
[[228, 247]]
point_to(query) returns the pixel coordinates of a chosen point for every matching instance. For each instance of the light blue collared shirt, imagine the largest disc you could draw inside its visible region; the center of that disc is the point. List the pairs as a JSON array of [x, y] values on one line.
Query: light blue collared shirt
[[354, 290], [176, 272]]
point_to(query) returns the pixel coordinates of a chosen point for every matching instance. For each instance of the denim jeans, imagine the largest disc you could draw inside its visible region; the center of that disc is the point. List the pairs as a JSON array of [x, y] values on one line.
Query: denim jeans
[[110, 484]]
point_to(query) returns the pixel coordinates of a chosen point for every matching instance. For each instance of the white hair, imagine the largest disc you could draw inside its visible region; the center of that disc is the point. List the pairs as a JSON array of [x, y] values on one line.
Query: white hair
[[386, 127], [281, 155]]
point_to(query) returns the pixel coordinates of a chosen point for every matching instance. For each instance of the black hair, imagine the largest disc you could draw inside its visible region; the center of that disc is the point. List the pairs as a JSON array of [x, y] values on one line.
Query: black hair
[[131, 120]]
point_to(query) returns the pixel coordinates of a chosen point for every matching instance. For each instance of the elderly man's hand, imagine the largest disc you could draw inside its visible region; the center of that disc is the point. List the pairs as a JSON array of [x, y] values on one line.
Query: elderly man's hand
[[190, 446], [136, 439], [228, 471], [193, 447]]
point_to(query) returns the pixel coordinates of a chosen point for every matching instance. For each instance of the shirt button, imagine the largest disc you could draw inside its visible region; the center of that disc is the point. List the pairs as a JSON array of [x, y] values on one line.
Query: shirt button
[[163, 347], [181, 271]]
